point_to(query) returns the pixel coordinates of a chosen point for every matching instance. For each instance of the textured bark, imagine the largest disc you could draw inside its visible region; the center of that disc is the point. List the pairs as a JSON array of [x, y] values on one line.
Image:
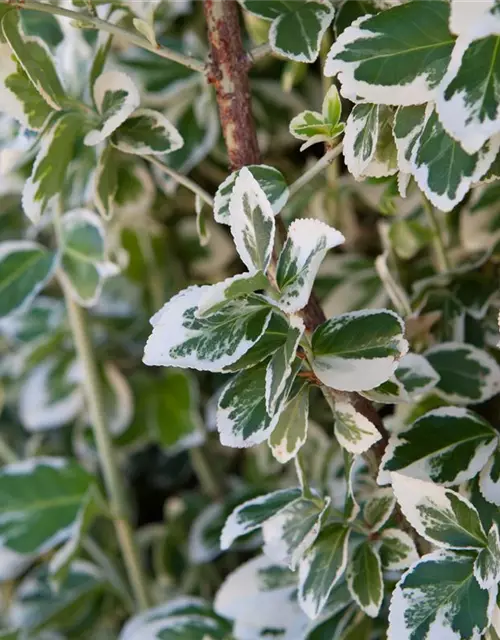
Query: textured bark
[[228, 72]]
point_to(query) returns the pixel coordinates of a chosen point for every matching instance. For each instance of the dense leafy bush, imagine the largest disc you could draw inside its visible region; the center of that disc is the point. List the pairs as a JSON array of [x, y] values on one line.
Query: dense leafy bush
[[319, 460]]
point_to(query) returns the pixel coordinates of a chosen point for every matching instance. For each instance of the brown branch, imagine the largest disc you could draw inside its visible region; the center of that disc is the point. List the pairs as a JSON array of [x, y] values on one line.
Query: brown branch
[[228, 72]]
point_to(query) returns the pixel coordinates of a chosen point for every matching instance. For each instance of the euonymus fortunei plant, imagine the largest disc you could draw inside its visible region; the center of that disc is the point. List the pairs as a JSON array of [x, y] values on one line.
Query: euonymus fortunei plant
[[271, 412]]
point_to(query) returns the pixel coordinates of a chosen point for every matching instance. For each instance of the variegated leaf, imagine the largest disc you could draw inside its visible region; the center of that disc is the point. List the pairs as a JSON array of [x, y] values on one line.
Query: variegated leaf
[[288, 534], [449, 445], [147, 132], [253, 513], [416, 374], [364, 579], [210, 343], [437, 598], [116, 98], [397, 550], [438, 514], [359, 350], [230, 288], [252, 222], [489, 479], [378, 509], [487, 563], [353, 430], [303, 252], [290, 432]]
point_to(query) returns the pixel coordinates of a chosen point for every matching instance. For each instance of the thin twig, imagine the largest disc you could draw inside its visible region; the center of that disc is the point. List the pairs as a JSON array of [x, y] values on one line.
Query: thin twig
[[260, 52], [182, 179], [316, 169], [91, 22]]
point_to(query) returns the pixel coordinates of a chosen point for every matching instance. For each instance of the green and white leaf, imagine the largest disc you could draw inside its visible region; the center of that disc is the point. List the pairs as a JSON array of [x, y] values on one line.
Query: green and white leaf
[[235, 287], [408, 125], [288, 534], [290, 432], [359, 350], [49, 169], [279, 368], [353, 430], [489, 479], [314, 127], [181, 339], [270, 180], [297, 34], [437, 598], [306, 245], [50, 395], [468, 375], [106, 182], [18, 96], [434, 149], [147, 132], [391, 391], [439, 515], [252, 514], [464, 15], [487, 563], [25, 268], [36, 60], [84, 266], [396, 57], [416, 374], [40, 504], [364, 579], [468, 98], [116, 98], [378, 509], [242, 417], [360, 138], [331, 109], [252, 222], [449, 445], [351, 506], [397, 550], [322, 567]]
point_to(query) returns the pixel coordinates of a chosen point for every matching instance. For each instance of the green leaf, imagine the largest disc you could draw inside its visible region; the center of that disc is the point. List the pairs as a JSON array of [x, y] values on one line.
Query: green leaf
[[398, 550], [322, 567], [378, 509], [229, 289], [270, 180], [364, 578], [354, 432], [147, 132], [416, 374], [358, 350], [468, 375], [51, 163], [106, 182], [116, 98], [331, 108], [349, 11], [36, 60], [434, 149], [25, 268], [396, 57], [308, 124], [41, 605], [41, 503], [83, 262], [18, 96], [288, 534], [252, 514], [242, 417], [208, 343], [449, 446], [290, 433], [306, 245], [252, 222], [297, 28], [440, 598], [487, 563], [279, 368], [408, 125], [351, 506], [439, 515], [468, 99]]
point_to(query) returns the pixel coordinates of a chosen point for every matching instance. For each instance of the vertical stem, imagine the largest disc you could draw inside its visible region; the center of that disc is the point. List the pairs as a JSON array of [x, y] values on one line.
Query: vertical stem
[[228, 72], [112, 477], [439, 248]]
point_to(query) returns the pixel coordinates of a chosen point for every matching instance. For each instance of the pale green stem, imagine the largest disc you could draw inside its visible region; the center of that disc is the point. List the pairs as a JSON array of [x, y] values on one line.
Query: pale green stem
[[443, 263], [113, 478], [110, 571], [259, 52], [316, 169], [154, 275], [182, 179], [92, 22]]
